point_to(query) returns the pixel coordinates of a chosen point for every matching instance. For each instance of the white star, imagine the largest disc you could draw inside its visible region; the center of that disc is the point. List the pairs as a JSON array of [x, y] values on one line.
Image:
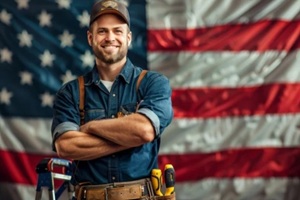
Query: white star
[[87, 59], [47, 99], [66, 39], [22, 3], [5, 17], [5, 96], [45, 18], [47, 58], [84, 19], [5, 55], [25, 39], [67, 77], [26, 78], [63, 3]]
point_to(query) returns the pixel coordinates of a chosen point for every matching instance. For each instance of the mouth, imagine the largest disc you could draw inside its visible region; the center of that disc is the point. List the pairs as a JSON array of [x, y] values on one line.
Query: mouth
[[110, 48]]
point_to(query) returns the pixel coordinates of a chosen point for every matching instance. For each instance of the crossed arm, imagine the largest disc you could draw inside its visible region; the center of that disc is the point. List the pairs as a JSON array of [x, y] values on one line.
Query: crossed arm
[[104, 137]]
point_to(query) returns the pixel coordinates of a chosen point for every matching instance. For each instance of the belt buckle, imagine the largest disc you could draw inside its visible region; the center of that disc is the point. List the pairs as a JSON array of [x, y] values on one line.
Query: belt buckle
[[84, 193], [106, 193]]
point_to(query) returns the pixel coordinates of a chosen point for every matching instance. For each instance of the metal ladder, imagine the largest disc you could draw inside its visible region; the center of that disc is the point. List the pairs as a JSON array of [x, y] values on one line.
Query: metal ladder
[[46, 175]]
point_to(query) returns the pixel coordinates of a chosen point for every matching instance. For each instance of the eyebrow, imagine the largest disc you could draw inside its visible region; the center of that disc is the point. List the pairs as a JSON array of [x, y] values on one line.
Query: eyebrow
[[116, 27]]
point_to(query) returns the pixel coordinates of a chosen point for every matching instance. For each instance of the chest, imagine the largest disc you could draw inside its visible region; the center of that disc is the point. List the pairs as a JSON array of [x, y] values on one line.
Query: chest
[[102, 104]]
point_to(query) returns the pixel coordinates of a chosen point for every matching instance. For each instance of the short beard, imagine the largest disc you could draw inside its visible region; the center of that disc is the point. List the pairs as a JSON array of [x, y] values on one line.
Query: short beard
[[109, 59]]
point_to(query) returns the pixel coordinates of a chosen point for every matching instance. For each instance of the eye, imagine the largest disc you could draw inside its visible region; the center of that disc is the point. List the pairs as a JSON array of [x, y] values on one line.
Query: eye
[[119, 31], [101, 31]]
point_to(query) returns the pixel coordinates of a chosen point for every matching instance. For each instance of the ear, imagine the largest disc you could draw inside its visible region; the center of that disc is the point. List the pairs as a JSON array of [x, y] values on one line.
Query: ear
[[129, 38], [90, 37]]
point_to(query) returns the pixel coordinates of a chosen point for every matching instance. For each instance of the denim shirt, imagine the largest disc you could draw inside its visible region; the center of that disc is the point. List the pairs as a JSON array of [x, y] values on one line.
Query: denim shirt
[[154, 98]]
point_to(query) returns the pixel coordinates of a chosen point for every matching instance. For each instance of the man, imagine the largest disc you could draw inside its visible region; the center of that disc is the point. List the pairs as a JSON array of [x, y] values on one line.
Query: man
[[113, 156]]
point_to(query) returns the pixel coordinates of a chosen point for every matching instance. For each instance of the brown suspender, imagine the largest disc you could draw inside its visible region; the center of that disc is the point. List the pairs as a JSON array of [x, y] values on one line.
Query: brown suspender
[[81, 98], [141, 76], [82, 93]]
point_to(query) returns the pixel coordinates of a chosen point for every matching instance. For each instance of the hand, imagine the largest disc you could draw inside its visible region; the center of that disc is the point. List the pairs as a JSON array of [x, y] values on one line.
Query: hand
[[84, 128]]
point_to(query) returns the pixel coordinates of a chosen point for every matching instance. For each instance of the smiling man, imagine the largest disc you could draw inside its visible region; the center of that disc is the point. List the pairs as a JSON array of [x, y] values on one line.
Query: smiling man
[[110, 123]]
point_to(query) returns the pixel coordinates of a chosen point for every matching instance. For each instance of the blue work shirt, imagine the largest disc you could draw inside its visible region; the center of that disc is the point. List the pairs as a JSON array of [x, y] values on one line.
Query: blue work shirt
[[154, 98]]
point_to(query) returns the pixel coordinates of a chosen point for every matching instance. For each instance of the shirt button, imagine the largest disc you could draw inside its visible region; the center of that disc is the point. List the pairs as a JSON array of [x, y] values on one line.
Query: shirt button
[[113, 116], [113, 178], [114, 95]]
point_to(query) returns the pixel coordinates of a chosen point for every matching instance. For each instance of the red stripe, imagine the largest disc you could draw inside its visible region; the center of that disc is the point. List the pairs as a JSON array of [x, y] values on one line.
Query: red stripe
[[245, 163], [17, 167], [259, 36], [243, 101]]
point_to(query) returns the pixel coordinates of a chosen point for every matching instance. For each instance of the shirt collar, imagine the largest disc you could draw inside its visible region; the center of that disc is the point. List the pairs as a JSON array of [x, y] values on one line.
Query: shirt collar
[[126, 73]]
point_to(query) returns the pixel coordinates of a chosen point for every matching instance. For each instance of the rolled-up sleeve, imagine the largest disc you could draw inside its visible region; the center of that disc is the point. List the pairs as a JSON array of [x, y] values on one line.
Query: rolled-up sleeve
[[152, 117], [65, 111], [156, 102], [64, 127]]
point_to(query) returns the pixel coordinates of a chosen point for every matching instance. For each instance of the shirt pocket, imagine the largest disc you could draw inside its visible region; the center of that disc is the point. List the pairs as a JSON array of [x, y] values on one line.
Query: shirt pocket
[[94, 114]]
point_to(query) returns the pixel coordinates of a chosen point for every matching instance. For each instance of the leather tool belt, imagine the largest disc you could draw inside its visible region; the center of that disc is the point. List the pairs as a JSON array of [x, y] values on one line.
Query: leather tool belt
[[139, 189]]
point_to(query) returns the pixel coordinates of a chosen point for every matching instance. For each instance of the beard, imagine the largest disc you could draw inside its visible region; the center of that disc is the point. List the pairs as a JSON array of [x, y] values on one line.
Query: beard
[[109, 58]]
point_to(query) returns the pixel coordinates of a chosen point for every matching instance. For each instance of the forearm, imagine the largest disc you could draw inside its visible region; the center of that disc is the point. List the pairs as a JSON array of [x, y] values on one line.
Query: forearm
[[131, 131], [77, 145]]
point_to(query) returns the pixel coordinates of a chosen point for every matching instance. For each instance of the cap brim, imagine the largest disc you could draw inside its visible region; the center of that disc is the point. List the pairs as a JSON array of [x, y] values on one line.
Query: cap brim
[[110, 11]]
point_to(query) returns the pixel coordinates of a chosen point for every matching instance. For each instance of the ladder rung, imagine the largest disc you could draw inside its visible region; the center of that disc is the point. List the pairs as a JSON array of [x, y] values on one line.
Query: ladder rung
[[61, 176]]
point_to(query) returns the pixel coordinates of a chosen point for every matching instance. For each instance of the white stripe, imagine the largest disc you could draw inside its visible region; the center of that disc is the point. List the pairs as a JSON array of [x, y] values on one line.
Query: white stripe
[[16, 191], [9, 191], [29, 135], [226, 69], [167, 14], [234, 189], [182, 136], [198, 135]]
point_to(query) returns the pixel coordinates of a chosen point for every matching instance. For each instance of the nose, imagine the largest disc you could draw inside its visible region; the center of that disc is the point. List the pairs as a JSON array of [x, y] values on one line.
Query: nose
[[110, 36]]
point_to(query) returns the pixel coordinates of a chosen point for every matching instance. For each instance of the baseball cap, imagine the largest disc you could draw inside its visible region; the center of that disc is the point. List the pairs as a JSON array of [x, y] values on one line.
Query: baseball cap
[[109, 7]]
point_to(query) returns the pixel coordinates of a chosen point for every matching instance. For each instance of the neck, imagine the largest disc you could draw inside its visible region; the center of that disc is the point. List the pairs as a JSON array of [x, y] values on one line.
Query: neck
[[109, 72]]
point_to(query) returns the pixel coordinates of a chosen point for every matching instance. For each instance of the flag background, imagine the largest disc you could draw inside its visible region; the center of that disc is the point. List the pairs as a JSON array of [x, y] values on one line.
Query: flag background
[[234, 67]]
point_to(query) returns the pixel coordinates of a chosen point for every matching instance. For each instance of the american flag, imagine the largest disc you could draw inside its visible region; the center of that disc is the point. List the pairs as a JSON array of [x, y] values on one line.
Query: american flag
[[234, 67]]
